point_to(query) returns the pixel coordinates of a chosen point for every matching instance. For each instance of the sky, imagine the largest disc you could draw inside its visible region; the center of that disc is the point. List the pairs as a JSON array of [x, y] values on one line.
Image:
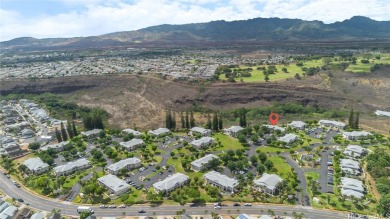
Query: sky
[[77, 18]]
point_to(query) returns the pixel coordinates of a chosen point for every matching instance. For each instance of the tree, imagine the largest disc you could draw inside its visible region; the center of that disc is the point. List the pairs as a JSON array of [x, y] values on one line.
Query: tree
[[356, 122], [69, 129], [242, 115], [208, 121], [297, 76], [74, 129], [192, 120], [187, 120], [34, 146], [183, 123], [220, 123], [266, 77], [351, 122], [215, 122], [58, 135], [384, 205], [168, 119], [63, 132]]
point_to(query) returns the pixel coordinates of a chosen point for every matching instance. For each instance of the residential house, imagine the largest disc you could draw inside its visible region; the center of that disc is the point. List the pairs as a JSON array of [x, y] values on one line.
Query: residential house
[[203, 142], [245, 216], [27, 133], [132, 131], [297, 125], [197, 165], [132, 144], [159, 132], [114, 184], [275, 128], [233, 130], [56, 147], [202, 131], [268, 183], [127, 164], [349, 166], [332, 123], [71, 167], [288, 138], [221, 181], [91, 134], [356, 135], [38, 215], [355, 151], [36, 165], [171, 183], [352, 187]]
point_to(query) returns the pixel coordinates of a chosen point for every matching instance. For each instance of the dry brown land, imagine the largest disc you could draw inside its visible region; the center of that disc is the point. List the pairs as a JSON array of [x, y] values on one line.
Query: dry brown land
[[141, 101]]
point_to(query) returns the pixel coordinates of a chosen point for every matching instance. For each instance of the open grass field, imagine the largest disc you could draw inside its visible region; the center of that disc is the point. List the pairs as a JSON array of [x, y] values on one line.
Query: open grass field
[[283, 168], [228, 142], [292, 69]]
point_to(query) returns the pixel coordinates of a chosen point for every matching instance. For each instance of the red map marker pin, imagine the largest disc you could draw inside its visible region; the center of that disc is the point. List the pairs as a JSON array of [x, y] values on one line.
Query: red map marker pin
[[274, 118]]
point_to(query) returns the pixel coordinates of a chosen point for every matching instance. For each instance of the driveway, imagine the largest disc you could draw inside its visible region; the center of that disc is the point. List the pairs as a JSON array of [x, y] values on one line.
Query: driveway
[[301, 181]]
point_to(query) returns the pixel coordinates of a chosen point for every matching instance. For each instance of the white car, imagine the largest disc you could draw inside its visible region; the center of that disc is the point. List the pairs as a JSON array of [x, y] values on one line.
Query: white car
[[247, 204], [122, 206], [217, 207]]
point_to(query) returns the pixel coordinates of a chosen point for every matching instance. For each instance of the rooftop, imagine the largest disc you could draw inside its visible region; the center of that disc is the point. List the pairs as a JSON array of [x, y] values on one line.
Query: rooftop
[[159, 131], [297, 124], [132, 131], [356, 134], [70, 165], [332, 122], [170, 182], [270, 181], [91, 132], [200, 142], [288, 138], [121, 164], [35, 164], [200, 130], [275, 127], [133, 142], [221, 179], [235, 128], [201, 161], [113, 182]]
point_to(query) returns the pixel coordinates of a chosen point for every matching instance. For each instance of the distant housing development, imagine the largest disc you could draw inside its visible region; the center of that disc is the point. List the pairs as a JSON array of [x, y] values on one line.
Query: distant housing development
[[171, 183]]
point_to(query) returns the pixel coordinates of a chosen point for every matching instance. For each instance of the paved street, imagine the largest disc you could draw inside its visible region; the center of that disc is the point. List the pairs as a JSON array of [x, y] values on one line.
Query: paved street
[[68, 208]]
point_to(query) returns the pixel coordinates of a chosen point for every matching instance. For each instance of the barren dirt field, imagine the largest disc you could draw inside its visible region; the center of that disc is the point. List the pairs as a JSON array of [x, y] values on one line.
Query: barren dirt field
[[141, 101]]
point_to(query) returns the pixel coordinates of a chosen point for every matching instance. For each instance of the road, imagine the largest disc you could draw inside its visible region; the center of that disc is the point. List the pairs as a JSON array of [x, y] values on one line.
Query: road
[[67, 208]]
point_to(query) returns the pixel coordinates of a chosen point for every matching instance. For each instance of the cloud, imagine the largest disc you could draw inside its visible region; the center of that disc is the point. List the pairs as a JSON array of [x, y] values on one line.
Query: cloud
[[96, 17]]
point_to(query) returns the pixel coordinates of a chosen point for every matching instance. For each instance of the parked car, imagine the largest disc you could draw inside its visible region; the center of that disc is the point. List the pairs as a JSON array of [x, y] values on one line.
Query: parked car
[[247, 204], [122, 206], [103, 206], [112, 206]]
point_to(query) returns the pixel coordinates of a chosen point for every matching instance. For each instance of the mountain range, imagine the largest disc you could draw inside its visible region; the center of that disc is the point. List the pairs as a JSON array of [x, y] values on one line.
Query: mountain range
[[220, 32]]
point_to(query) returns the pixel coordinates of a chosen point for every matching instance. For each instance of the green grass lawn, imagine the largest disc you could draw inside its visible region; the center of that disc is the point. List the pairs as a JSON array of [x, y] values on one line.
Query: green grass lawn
[[228, 142], [282, 167]]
